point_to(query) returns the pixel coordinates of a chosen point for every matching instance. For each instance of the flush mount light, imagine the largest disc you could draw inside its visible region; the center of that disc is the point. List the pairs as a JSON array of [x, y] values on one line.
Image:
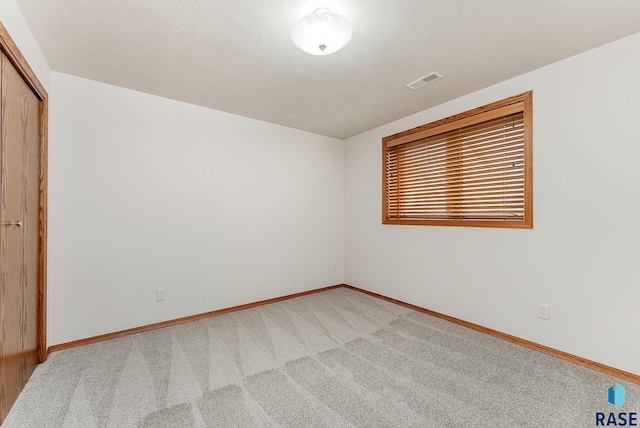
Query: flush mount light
[[322, 32]]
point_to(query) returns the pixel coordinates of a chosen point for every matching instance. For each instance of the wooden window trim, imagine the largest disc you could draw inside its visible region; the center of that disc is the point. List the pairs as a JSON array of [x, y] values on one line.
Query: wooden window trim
[[522, 102]]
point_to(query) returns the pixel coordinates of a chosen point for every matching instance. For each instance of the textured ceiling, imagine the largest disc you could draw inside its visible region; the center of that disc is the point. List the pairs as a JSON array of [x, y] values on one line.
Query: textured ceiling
[[237, 56]]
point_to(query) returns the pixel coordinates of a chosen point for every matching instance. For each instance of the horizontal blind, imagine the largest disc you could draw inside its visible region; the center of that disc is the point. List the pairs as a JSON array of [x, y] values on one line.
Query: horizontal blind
[[473, 172]]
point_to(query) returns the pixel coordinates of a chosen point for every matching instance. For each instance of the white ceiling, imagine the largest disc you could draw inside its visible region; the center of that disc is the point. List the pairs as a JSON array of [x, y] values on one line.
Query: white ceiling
[[237, 56]]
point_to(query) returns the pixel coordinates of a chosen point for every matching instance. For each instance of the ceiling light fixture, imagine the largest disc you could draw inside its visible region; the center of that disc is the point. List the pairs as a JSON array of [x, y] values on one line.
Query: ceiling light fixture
[[322, 32]]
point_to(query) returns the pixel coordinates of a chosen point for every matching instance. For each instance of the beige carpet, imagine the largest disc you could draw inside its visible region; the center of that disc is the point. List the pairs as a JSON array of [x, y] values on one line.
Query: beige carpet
[[339, 358]]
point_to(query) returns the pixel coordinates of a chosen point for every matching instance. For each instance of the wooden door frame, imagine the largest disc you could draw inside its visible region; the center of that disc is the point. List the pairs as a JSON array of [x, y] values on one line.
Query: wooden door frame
[[10, 49]]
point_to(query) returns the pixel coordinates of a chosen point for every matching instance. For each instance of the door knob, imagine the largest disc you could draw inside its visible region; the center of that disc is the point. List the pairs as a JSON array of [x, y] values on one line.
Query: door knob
[[14, 223]]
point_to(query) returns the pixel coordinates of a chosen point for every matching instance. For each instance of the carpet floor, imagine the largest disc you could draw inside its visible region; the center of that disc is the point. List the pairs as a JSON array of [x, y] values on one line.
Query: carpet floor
[[338, 358]]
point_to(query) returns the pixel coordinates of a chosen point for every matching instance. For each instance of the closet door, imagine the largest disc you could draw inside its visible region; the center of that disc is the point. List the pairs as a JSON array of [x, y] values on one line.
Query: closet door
[[19, 232]]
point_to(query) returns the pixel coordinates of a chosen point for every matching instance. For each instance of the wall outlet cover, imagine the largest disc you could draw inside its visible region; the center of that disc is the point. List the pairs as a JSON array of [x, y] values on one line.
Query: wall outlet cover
[[543, 311]]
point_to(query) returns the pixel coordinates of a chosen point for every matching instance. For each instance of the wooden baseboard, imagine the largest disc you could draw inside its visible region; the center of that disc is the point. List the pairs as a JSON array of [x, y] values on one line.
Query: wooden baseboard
[[163, 324], [608, 370], [611, 371]]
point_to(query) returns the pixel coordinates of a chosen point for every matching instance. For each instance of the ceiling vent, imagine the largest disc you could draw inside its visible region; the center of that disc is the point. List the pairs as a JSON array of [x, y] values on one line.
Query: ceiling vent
[[434, 75]]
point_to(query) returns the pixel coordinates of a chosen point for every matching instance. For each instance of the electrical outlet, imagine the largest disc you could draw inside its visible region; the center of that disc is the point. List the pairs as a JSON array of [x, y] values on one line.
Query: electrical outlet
[[543, 311], [335, 267], [160, 294]]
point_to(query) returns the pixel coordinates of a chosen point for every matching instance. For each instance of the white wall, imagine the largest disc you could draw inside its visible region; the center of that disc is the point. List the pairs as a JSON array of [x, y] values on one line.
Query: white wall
[[147, 193], [583, 255], [15, 24]]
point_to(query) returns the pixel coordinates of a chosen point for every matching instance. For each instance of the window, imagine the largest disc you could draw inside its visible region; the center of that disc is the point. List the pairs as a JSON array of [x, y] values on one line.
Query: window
[[471, 169]]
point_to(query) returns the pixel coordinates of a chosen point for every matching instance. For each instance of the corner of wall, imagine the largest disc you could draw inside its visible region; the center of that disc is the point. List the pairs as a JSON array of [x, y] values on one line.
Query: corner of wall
[[20, 32]]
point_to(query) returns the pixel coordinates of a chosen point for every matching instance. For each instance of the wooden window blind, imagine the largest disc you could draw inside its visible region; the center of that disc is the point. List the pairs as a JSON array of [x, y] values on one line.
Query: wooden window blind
[[471, 169]]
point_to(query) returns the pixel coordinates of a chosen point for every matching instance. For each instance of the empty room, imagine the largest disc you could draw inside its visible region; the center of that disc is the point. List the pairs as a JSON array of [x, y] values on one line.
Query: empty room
[[310, 213]]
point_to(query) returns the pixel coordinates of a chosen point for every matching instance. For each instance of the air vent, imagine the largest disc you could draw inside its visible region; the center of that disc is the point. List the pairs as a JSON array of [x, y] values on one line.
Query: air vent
[[434, 75]]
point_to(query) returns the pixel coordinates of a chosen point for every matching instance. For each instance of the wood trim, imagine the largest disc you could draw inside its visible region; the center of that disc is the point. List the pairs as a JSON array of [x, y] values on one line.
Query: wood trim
[[169, 323], [603, 368], [528, 159], [42, 242], [17, 59], [469, 113], [13, 53], [385, 197], [504, 224], [450, 125]]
